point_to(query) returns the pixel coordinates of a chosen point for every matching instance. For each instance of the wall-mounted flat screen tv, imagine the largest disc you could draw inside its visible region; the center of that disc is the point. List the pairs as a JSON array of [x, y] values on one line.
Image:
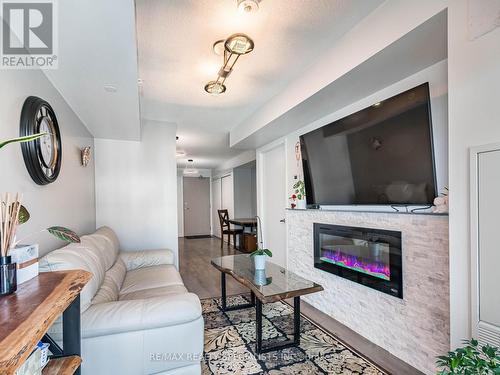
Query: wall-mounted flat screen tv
[[380, 155]]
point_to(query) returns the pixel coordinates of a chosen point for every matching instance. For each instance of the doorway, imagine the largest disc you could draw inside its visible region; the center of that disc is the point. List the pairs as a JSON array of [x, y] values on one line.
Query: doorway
[[272, 203], [196, 192]]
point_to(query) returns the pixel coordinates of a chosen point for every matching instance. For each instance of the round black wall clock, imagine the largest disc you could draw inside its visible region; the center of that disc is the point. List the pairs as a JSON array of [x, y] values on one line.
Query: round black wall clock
[[42, 156]]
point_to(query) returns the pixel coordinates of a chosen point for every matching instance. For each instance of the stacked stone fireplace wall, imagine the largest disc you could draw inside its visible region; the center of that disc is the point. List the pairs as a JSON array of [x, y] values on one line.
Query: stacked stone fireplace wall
[[416, 328]]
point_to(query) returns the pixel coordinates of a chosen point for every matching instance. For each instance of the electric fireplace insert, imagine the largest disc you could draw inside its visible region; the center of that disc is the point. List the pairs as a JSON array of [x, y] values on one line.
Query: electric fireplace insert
[[371, 257]]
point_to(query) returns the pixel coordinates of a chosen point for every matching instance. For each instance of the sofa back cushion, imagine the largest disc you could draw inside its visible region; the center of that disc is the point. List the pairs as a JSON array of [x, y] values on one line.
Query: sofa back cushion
[[113, 280], [107, 241], [95, 253]]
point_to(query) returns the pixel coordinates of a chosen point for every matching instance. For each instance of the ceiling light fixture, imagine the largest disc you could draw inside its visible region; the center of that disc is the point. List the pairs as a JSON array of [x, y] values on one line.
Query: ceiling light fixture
[[191, 169], [180, 153], [232, 48], [248, 6]]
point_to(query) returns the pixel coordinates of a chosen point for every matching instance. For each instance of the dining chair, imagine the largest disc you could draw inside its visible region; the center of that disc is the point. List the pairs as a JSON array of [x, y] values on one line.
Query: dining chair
[[225, 228]]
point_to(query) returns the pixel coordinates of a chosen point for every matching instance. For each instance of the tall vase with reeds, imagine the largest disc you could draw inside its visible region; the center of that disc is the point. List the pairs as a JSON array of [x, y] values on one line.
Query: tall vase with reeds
[[13, 214], [9, 219]]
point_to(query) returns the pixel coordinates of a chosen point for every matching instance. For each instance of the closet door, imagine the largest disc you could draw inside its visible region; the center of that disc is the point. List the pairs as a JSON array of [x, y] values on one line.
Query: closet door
[[227, 198], [216, 204], [485, 189]]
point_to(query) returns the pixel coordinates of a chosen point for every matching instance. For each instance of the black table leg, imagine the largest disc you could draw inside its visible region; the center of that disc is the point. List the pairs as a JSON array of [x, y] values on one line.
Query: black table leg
[[224, 305], [258, 326], [259, 347], [296, 320], [223, 290], [72, 330]]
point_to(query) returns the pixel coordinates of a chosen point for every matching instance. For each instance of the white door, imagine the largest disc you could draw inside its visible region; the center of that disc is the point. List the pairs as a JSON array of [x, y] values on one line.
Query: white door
[[485, 174], [196, 206], [273, 201], [216, 198]]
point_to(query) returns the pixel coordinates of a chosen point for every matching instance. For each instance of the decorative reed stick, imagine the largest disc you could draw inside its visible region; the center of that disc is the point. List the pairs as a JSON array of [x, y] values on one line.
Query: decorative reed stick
[[9, 220]]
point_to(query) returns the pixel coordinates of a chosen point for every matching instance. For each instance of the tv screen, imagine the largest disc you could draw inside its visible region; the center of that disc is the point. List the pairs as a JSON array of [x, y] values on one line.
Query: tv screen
[[382, 154]]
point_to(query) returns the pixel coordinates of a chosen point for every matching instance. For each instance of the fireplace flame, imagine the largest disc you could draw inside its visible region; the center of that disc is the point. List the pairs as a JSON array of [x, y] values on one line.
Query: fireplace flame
[[373, 268]]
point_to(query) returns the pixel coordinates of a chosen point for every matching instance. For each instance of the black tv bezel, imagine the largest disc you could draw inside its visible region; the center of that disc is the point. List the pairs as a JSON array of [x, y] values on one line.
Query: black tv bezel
[[399, 204]]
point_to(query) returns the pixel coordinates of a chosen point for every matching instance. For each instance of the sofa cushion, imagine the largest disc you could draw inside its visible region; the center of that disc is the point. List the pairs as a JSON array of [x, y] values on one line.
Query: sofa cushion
[[108, 244], [146, 258], [112, 284], [126, 316], [151, 277], [83, 256], [153, 292], [96, 253]]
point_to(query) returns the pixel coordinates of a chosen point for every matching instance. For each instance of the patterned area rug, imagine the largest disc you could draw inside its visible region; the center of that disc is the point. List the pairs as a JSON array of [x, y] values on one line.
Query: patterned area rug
[[230, 344]]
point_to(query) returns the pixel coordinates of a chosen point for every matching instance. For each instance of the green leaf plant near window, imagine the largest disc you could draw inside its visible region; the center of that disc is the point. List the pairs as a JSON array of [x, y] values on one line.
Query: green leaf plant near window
[[471, 359]]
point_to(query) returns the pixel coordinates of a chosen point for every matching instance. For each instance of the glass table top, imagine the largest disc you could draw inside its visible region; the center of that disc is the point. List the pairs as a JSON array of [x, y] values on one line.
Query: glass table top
[[272, 284]]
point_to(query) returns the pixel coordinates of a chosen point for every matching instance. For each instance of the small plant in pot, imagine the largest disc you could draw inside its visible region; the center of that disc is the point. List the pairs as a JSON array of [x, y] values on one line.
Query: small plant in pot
[[259, 257], [471, 359]]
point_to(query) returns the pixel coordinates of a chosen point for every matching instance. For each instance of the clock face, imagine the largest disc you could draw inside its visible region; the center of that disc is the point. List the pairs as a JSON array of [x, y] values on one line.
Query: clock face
[[43, 155]]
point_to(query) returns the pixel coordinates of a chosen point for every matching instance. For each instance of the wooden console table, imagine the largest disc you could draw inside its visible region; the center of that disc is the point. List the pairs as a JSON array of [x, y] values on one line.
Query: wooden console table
[[26, 315]]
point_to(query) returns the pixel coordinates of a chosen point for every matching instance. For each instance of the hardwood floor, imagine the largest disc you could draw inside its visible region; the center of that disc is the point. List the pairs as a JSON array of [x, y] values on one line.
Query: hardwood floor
[[201, 278]]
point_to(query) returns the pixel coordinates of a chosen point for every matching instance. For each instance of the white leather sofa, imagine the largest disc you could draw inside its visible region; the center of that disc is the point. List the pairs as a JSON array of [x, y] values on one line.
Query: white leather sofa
[[136, 315]]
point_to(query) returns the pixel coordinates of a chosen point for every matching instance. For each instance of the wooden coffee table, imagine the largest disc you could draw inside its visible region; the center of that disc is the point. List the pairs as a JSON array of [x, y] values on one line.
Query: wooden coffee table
[[275, 284]]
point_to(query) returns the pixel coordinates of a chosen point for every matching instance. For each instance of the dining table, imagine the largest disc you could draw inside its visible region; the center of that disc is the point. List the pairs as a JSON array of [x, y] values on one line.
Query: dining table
[[245, 223]]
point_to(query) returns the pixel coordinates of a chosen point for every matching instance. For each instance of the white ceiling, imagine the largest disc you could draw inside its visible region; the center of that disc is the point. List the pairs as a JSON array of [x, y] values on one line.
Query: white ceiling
[[97, 46], [175, 40], [422, 47]]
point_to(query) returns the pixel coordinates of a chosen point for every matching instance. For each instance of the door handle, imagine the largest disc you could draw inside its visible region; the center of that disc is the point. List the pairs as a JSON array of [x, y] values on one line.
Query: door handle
[[282, 220]]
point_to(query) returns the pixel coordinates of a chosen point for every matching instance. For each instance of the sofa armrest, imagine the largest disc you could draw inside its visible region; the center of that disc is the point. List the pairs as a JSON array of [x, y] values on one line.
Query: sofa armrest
[[146, 258], [135, 315]]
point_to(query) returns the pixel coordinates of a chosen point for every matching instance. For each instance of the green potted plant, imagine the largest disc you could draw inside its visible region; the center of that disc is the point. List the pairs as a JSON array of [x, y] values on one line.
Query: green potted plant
[[259, 257], [471, 359], [299, 194]]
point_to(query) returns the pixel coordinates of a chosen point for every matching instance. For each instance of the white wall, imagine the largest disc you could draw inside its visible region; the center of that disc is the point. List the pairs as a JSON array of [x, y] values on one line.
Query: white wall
[[226, 167], [474, 113], [136, 188], [244, 179], [70, 200]]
